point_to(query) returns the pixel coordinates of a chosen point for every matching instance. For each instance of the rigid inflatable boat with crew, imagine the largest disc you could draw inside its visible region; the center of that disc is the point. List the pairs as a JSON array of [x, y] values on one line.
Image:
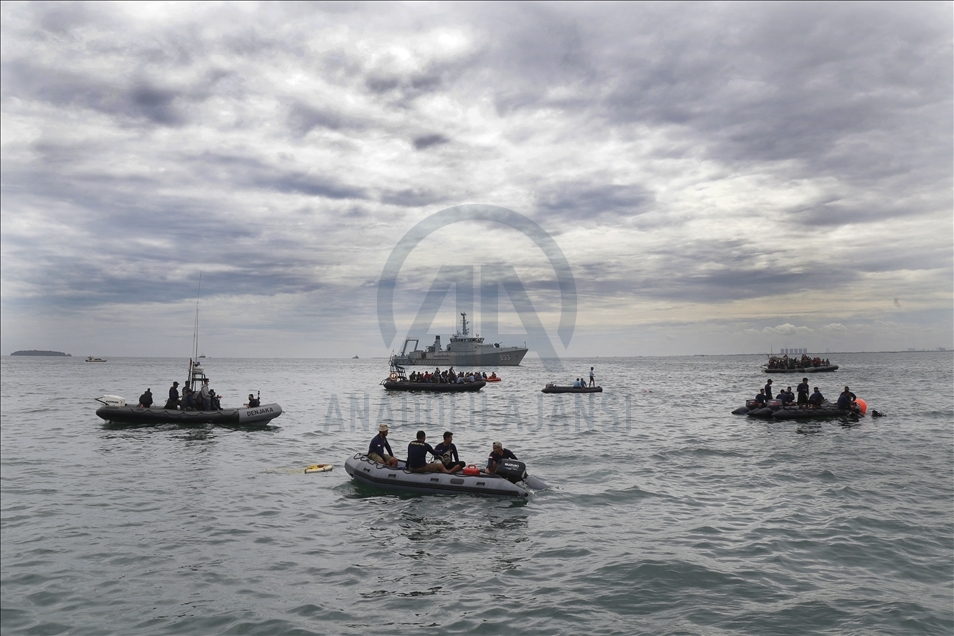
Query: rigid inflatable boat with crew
[[398, 381], [510, 480], [554, 388], [773, 410], [114, 408]]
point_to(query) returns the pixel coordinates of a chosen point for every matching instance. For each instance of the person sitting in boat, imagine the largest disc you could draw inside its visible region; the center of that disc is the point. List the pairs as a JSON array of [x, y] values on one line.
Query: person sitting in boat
[[380, 451], [802, 393], [253, 402], [447, 451], [145, 400], [768, 389], [816, 399], [188, 399], [417, 456], [846, 401], [760, 399], [173, 401], [214, 400], [497, 453], [786, 396]]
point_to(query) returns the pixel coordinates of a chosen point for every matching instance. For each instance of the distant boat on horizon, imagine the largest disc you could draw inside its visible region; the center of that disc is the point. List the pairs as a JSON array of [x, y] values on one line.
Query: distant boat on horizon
[[355, 358], [95, 359]]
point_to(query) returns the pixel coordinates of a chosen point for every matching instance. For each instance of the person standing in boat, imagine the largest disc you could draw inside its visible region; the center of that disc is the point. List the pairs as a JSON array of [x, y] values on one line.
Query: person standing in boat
[[380, 451], [496, 454], [592, 377], [173, 401], [802, 393], [206, 395], [145, 400], [768, 389], [417, 456], [447, 451]]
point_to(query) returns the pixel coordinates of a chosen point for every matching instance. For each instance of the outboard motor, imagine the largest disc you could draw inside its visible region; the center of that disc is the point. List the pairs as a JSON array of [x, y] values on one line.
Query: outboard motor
[[512, 470], [111, 400]]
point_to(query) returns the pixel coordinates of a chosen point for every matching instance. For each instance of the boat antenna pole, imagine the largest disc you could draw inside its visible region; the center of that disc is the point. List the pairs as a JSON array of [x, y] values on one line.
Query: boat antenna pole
[[195, 336]]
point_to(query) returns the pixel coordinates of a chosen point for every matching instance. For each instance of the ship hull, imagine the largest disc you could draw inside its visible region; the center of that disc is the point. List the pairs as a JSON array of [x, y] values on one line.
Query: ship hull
[[502, 357]]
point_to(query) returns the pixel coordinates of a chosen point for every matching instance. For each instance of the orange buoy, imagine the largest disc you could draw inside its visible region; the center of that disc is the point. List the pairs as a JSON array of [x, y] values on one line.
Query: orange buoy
[[471, 470], [862, 405]]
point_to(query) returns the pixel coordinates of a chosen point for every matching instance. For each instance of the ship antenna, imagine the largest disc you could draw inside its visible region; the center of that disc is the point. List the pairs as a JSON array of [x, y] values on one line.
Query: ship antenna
[[195, 335]]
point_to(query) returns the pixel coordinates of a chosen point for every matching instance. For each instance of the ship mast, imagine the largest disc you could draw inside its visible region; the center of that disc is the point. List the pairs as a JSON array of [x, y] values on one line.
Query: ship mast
[[463, 320]]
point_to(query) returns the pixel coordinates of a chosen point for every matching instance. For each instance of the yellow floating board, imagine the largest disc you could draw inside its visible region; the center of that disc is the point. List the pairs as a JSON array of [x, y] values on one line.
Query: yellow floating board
[[319, 468]]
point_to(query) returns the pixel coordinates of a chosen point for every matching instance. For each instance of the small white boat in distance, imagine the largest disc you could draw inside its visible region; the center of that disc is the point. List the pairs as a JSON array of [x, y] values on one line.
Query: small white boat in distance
[[92, 359]]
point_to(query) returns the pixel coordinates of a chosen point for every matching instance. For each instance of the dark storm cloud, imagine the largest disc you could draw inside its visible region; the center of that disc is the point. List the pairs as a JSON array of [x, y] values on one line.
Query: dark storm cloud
[[426, 141], [270, 145], [303, 118], [591, 200]]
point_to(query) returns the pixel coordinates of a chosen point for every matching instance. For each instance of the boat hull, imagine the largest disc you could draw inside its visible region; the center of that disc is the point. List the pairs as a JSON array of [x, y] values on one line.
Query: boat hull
[[433, 387], [570, 389], [258, 416], [827, 411], [826, 369], [369, 473]]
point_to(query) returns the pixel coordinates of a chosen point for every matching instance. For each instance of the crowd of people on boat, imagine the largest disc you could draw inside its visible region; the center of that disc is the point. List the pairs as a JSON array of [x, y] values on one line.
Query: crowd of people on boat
[[847, 401], [203, 399], [448, 376], [797, 363], [445, 458]]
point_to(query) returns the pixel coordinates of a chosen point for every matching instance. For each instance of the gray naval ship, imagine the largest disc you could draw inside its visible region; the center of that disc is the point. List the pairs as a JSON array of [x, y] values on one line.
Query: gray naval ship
[[463, 350]]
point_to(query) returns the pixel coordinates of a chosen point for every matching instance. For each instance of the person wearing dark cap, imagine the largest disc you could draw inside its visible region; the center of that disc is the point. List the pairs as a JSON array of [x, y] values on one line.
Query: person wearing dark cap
[[145, 400], [802, 393], [768, 389], [380, 451], [173, 401], [496, 454], [417, 452]]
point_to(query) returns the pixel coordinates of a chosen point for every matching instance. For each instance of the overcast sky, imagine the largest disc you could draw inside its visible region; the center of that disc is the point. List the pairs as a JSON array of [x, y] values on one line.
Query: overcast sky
[[725, 178]]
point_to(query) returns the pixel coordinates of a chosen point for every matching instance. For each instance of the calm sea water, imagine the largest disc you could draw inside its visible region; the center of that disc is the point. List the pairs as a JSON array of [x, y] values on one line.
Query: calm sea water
[[668, 515]]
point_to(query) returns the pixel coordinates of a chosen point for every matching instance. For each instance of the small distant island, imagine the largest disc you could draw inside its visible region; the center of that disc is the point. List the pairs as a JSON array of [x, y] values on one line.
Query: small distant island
[[35, 352]]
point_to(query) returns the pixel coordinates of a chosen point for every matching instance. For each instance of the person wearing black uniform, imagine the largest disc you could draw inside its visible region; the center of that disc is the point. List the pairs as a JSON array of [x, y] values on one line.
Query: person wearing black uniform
[[786, 396], [846, 401], [447, 451], [417, 457], [803, 393], [816, 399], [173, 401], [146, 399], [768, 389], [760, 399], [253, 402], [498, 453]]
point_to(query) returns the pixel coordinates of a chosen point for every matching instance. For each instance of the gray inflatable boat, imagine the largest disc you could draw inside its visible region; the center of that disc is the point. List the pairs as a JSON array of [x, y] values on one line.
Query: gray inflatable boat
[[517, 483]]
